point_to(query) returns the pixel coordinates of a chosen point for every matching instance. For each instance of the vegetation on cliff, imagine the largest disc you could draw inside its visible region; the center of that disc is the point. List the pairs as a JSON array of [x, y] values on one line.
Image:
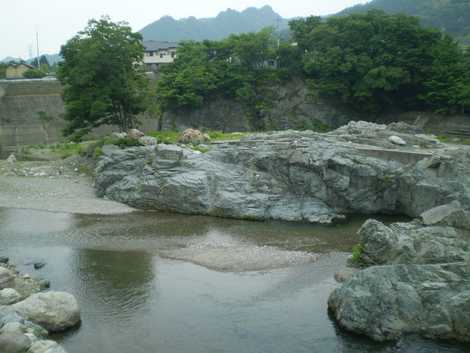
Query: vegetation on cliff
[[371, 62], [452, 16], [103, 83], [241, 67]]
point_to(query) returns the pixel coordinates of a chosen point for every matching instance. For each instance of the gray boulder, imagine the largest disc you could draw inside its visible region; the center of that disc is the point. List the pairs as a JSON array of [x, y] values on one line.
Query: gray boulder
[[451, 214], [7, 278], [388, 301], [9, 296], [411, 243], [55, 311], [14, 339]]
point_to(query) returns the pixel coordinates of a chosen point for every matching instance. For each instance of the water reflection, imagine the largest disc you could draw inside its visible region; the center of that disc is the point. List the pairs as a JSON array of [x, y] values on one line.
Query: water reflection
[[133, 300]]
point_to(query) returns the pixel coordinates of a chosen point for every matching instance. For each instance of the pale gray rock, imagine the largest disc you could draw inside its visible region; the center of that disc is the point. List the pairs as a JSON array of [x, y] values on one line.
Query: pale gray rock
[[14, 341], [45, 346], [135, 134], [385, 302], [9, 296], [396, 140], [7, 278], [11, 159], [55, 311], [451, 214], [148, 141]]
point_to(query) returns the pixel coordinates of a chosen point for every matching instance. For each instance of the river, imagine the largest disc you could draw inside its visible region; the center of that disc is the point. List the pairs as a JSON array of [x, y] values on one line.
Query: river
[[152, 282]]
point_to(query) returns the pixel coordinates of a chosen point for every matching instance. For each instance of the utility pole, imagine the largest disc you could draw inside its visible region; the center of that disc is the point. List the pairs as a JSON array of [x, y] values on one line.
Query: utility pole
[[37, 49]]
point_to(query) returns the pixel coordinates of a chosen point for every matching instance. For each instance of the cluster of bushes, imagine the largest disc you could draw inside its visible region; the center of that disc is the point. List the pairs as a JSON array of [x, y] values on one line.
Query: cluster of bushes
[[372, 62]]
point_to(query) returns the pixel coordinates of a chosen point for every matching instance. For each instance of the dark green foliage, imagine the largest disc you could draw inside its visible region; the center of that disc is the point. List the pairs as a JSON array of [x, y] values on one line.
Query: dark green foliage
[[3, 69], [451, 16], [376, 62], [102, 78], [372, 63], [34, 73], [239, 67]]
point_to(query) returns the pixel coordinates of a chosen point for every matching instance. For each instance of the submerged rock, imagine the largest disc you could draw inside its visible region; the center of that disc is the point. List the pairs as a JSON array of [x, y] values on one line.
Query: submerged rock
[[385, 302], [55, 311]]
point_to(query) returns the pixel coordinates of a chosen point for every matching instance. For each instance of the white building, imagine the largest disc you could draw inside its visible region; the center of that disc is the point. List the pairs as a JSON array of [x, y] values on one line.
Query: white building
[[158, 53]]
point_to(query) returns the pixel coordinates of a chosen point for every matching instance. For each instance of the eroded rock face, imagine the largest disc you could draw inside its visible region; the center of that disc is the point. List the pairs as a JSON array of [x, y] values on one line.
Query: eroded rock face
[[421, 285], [292, 176], [55, 311], [385, 302], [412, 243]]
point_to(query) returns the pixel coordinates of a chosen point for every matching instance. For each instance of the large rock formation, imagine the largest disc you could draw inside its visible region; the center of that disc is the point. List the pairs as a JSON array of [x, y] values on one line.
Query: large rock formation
[[292, 176], [385, 302], [422, 286]]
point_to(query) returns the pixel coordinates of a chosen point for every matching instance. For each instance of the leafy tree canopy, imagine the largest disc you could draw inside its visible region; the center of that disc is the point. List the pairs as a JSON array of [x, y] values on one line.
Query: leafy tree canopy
[[102, 77], [376, 61]]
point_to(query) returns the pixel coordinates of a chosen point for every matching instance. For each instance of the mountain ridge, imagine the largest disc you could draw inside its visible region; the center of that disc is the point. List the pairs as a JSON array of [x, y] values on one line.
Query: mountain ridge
[[451, 16], [214, 28]]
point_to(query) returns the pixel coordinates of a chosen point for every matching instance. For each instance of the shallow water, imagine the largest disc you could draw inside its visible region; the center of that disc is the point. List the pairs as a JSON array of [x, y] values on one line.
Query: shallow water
[[151, 282]]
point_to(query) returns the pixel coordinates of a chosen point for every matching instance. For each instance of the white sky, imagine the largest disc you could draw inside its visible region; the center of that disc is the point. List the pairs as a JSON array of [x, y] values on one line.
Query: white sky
[[59, 20]]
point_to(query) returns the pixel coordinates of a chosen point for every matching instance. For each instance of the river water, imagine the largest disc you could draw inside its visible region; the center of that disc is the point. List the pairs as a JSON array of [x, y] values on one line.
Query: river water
[[158, 283]]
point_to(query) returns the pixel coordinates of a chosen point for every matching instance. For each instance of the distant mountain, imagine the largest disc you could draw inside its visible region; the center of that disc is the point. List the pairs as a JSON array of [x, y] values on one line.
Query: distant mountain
[[226, 23], [451, 16], [51, 58], [9, 59]]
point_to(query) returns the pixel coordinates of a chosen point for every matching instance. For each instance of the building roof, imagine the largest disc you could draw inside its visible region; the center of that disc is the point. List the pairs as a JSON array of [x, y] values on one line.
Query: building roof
[[19, 64], [152, 45]]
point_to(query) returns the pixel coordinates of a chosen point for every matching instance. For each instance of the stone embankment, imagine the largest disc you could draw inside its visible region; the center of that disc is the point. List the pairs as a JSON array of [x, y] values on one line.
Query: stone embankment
[[292, 176], [28, 315]]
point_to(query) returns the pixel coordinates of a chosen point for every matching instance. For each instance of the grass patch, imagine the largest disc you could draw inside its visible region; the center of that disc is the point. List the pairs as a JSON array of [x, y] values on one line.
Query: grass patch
[[226, 136], [172, 137], [167, 137], [357, 252]]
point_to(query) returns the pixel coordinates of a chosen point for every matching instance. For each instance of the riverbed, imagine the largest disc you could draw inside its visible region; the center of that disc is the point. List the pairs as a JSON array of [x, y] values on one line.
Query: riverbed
[[153, 282]]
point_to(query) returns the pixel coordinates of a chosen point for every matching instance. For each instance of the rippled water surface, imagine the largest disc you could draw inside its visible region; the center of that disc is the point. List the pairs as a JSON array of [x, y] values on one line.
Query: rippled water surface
[[150, 282]]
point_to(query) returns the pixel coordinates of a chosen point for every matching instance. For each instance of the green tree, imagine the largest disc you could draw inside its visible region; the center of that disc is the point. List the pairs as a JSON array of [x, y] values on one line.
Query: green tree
[[240, 67], [371, 61], [3, 70], [102, 76], [34, 73]]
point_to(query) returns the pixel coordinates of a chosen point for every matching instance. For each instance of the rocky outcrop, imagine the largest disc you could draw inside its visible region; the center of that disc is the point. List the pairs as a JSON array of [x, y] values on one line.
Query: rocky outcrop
[[291, 176], [422, 285], [412, 243], [385, 302]]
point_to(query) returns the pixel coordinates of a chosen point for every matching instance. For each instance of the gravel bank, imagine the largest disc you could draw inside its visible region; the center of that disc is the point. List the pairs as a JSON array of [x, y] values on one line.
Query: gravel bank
[[52, 186]]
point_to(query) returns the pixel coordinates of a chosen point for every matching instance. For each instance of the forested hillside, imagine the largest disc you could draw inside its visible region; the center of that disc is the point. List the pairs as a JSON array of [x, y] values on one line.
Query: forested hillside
[[373, 63], [451, 16], [226, 23]]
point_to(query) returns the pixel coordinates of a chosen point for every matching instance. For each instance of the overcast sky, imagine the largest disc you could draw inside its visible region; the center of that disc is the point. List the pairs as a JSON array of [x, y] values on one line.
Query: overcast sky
[[58, 20]]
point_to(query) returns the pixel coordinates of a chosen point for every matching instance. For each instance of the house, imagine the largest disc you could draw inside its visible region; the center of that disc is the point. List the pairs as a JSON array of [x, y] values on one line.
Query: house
[[17, 70], [158, 54]]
